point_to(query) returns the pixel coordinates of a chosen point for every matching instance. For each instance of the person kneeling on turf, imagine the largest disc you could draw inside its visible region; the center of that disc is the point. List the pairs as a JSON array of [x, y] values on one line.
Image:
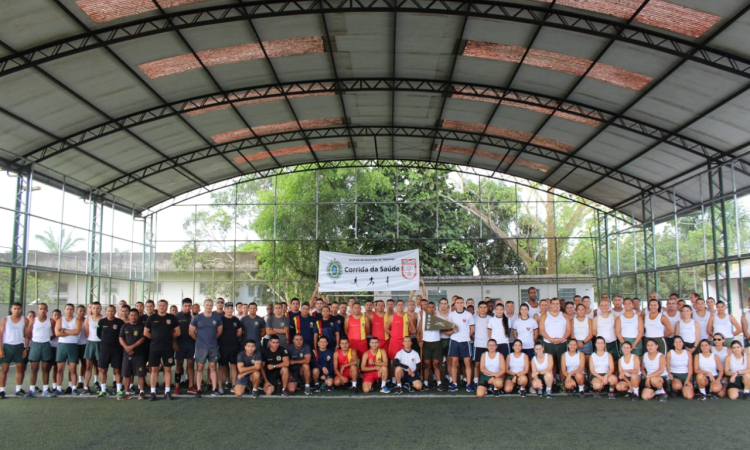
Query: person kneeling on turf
[[374, 367], [323, 366], [275, 366], [299, 364], [249, 368], [406, 362], [345, 365]]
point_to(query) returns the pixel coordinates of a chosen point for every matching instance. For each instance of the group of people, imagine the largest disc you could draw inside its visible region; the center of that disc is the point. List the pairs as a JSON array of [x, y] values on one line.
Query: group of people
[[550, 345]]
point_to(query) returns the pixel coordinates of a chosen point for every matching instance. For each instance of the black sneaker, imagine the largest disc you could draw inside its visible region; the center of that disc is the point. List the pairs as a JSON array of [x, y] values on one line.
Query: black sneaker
[[634, 398], [745, 396], [228, 386], [398, 390], [20, 393], [168, 396], [316, 388], [351, 387], [255, 393], [702, 397], [663, 397], [215, 393], [2, 395], [152, 398], [198, 393], [522, 393], [548, 394], [440, 388], [409, 387], [498, 392], [285, 393], [86, 391], [79, 386], [425, 387], [142, 396], [68, 391], [97, 386]]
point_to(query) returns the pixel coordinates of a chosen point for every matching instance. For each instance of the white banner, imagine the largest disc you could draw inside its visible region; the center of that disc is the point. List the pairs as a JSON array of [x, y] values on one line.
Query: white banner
[[343, 272]]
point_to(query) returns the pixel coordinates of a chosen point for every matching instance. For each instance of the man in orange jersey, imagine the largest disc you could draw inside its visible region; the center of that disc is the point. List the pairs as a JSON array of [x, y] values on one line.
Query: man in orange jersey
[[374, 367], [400, 326], [345, 365], [378, 327], [357, 328]]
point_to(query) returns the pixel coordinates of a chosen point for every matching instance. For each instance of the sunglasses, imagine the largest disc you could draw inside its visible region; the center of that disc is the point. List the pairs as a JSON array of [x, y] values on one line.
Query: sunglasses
[[718, 340]]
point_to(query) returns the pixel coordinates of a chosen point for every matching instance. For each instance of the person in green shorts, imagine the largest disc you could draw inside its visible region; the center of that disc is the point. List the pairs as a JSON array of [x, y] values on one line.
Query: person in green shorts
[[41, 333], [67, 330], [432, 349], [93, 344], [555, 328], [13, 346]]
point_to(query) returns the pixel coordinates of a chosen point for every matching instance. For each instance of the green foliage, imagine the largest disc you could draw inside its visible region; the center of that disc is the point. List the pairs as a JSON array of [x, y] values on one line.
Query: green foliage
[[54, 245], [379, 210]]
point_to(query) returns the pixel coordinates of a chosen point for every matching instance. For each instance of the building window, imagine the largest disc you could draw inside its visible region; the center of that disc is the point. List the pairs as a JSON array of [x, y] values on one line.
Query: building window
[[566, 293], [435, 296], [62, 287]]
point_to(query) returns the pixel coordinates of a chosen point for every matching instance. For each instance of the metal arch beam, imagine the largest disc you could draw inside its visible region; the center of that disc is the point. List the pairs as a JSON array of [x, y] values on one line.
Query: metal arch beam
[[536, 15], [358, 131], [365, 163], [481, 92]]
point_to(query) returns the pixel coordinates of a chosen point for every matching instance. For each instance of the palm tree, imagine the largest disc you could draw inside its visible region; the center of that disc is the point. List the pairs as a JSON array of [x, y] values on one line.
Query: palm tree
[[52, 244]]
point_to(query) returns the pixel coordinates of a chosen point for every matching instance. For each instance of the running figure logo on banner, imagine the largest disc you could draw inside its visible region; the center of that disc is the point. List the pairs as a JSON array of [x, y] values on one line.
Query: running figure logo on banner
[[343, 272]]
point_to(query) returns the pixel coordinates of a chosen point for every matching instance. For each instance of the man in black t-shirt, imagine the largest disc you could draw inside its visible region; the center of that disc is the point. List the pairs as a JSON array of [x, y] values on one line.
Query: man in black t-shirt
[[162, 329], [229, 346], [275, 366], [134, 356], [110, 351], [249, 366], [185, 348]]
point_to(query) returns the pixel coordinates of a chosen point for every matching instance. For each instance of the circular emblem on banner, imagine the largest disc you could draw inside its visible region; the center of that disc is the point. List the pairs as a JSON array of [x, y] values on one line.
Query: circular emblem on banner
[[334, 270]]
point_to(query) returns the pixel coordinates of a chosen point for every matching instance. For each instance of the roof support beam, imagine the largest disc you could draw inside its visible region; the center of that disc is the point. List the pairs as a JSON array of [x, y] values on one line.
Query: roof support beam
[[196, 105], [590, 24]]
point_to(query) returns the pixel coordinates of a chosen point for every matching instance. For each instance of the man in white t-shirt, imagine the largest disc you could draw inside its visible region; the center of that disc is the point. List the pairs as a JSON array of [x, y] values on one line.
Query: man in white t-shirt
[[481, 336], [429, 342], [406, 369], [459, 348]]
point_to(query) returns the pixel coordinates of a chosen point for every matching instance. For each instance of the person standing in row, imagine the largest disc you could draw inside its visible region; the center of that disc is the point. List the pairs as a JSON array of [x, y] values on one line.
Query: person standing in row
[[162, 329], [40, 332], [14, 345]]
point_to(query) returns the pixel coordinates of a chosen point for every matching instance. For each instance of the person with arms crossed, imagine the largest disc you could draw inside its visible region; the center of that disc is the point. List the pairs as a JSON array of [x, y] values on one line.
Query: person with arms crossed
[[162, 329], [555, 328], [67, 329], [724, 323]]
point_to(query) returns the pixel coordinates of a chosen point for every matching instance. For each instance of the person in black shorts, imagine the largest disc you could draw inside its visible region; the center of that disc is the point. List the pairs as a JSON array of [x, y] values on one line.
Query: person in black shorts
[[110, 351], [133, 345], [185, 349], [250, 367], [275, 366], [229, 346], [162, 329], [299, 364]]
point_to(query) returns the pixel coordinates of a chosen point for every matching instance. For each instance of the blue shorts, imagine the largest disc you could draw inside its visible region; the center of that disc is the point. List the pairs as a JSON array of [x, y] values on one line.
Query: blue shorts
[[459, 349], [185, 353], [478, 351], [410, 379]]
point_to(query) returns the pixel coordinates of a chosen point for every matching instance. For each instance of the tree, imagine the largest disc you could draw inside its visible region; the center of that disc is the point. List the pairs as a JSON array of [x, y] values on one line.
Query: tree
[[53, 245]]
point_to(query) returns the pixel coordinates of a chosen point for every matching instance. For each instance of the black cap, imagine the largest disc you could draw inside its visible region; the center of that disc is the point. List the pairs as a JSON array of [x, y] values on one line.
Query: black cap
[[228, 304]]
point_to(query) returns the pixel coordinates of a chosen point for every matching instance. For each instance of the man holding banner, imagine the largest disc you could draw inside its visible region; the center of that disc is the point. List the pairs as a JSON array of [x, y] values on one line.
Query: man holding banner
[[429, 341]]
